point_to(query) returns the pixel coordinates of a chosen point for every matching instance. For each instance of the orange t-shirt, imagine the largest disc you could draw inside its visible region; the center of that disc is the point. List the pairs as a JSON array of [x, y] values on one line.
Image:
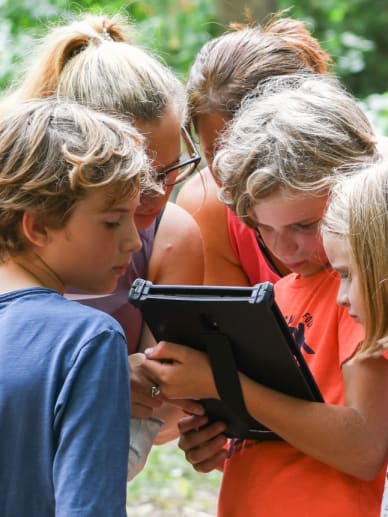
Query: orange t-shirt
[[273, 479]]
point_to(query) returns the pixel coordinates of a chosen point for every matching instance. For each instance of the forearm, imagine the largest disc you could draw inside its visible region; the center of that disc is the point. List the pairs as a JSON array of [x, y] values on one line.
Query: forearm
[[336, 435]]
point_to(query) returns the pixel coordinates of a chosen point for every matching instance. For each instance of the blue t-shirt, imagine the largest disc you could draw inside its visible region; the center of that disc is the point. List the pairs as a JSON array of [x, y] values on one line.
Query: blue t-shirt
[[64, 408]]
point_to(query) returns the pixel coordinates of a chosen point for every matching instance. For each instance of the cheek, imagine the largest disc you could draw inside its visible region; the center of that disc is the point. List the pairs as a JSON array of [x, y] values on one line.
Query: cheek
[[268, 238], [355, 298], [313, 245]]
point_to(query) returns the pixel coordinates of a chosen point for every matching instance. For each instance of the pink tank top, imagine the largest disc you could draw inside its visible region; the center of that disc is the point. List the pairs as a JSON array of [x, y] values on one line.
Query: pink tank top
[[246, 247]]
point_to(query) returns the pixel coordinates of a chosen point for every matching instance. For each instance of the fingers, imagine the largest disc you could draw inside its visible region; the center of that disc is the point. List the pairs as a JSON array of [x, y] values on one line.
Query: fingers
[[143, 403], [140, 411], [203, 445], [188, 406], [164, 351]]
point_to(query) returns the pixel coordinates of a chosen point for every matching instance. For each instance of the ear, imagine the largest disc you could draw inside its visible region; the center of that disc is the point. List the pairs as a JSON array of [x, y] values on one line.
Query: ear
[[34, 229]]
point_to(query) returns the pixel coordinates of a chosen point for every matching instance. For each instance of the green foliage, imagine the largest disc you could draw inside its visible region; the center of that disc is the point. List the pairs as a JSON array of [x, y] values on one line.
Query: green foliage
[[174, 29], [354, 32], [376, 107], [168, 483]]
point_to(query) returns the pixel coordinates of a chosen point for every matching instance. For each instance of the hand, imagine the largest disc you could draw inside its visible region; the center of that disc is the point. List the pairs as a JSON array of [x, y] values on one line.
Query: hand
[[203, 445], [143, 403], [180, 371]]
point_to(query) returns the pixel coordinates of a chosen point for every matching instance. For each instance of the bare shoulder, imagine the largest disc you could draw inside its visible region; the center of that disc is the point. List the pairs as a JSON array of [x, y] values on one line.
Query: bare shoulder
[[177, 226], [177, 255], [199, 195]]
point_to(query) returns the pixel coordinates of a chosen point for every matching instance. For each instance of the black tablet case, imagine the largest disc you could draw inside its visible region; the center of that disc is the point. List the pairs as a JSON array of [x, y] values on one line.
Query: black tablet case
[[241, 328]]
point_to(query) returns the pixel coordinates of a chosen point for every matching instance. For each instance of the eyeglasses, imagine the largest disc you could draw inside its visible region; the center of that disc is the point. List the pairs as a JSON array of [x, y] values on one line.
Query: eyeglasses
[[183, 169]]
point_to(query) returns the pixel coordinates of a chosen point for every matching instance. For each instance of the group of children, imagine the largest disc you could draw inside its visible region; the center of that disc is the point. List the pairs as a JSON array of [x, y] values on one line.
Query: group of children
[[90, 150]]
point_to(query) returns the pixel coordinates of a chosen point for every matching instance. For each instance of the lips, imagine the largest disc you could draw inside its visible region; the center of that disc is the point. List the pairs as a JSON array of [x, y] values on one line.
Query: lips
[[294, 265], [120, 270]]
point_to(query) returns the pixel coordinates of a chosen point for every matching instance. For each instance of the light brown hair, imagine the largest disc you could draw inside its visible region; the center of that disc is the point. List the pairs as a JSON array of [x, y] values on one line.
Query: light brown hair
[[290, 134], [229, 66], [52, 153]]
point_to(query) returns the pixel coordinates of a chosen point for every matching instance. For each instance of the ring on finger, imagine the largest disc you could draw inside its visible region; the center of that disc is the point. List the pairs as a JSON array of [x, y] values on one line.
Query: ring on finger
[[155, 390]]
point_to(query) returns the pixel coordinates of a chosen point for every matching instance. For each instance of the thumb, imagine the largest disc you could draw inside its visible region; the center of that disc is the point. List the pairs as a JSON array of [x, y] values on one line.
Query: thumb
[[163, 351]]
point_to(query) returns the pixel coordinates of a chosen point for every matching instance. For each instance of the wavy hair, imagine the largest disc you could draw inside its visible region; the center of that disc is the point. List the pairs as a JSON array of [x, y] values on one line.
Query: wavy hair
[[52, 153], [290, 133]]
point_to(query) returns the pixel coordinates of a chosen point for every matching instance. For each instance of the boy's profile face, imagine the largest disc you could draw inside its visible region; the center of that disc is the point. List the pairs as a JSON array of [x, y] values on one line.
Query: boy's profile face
[[289, 226], [337, 251], [93, 249]]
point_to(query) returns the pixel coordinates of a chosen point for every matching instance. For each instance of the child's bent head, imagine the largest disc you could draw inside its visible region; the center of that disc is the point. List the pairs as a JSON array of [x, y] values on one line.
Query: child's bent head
[[289, 135], [358, 215], [229, 66], [52, 154]]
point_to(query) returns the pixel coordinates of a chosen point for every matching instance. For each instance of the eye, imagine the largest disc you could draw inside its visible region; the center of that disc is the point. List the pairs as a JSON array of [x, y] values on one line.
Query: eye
[[112, 224], [263, 228], [309, 227]]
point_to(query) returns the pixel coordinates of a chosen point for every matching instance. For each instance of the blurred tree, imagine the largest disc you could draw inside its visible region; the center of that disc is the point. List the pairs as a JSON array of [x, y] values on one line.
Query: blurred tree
[[174, 29], [231, 11], [354, 32]]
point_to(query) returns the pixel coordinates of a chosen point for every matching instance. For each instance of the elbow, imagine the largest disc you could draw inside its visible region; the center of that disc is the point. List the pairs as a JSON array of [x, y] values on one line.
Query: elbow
[[370, 472], [369, 466]]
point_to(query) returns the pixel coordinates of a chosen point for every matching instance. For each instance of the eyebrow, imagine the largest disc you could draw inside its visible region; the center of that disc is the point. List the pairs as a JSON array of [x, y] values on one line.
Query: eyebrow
[[114, 209], [301, 221]]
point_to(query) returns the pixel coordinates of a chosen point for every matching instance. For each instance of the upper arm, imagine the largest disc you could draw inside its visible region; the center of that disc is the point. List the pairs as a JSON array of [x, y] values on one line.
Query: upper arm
[[366, 390], [177, 256], [199, 196]]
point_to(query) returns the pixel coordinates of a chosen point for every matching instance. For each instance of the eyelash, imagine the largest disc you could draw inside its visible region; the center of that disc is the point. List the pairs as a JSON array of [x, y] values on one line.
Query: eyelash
[[307, 227], [298, 227], [112, 225]]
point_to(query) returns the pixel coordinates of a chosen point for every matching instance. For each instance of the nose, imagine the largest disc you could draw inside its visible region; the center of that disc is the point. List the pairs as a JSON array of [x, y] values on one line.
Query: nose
[[131, 241], [342, 296], [283, 245]]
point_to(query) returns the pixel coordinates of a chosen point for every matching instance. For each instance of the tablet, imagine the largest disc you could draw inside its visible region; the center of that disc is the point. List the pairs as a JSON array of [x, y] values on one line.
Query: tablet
[[240, 328]]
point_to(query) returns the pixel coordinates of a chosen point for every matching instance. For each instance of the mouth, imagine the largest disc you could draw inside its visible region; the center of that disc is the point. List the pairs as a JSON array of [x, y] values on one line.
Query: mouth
[[120, 270], [294, 265]]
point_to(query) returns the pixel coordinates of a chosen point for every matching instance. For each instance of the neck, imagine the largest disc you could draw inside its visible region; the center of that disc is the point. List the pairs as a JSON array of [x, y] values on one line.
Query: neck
[[31, 270]]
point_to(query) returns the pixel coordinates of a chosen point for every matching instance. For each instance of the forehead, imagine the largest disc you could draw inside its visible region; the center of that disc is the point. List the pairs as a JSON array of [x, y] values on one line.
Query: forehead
[[163, 137], [285, 208], [105, 199]]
